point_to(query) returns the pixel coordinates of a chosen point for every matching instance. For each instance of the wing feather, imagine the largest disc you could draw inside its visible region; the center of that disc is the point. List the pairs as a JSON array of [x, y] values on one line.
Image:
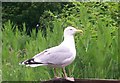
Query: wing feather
[[54, 55]]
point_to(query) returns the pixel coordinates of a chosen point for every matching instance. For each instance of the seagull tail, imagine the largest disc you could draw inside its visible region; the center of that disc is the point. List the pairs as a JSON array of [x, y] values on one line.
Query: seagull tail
[[31, 63]]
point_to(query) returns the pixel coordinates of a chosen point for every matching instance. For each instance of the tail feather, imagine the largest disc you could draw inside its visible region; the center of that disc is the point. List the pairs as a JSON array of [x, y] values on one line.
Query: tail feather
[[31, 63]]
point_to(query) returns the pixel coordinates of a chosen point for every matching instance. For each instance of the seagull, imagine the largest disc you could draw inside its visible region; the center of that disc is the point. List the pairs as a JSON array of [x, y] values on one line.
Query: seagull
[[59, 56]]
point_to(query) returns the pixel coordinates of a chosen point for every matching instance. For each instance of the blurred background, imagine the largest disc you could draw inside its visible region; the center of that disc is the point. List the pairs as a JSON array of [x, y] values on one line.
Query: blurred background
[[29, 27]]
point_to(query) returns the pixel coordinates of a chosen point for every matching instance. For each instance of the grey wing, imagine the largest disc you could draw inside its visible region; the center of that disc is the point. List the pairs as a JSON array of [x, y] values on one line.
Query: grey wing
[[55, 55], [59, 58]]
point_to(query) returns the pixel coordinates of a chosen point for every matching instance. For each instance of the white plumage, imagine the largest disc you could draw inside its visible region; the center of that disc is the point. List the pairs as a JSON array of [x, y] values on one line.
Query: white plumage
[[58, 56]]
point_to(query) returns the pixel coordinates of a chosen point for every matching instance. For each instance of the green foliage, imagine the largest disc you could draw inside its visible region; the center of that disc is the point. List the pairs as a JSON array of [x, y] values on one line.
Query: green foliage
[[30, 13], [43, 12], [97, 49]]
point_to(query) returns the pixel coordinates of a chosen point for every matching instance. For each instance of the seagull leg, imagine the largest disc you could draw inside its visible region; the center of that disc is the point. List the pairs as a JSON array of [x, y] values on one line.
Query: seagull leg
[[64, 72], [65, 75], [55, 74]]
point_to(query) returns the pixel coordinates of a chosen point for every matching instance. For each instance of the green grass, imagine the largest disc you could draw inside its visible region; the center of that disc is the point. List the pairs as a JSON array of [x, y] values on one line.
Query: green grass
[[97, 49]]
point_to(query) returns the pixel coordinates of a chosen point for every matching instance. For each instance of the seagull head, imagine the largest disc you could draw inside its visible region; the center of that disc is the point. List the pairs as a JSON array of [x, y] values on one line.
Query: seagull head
[[70, 31]]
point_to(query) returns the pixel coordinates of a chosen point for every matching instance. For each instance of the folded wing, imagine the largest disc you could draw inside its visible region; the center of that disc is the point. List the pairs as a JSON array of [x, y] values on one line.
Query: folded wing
[[52, 56]]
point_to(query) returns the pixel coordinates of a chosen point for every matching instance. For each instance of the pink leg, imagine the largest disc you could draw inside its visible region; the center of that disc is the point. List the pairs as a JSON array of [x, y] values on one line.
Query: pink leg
[[65, 75], [55, 74]]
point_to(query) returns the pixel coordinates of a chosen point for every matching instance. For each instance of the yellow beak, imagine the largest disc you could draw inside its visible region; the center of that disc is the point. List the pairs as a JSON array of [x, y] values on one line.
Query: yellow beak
[[80, 31]]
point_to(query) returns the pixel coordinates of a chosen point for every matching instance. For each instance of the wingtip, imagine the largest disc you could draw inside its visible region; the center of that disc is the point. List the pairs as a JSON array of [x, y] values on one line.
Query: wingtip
[[21, 63]]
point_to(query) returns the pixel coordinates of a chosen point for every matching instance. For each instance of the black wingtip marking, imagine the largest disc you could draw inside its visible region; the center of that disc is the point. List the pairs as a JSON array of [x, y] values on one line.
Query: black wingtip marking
[[31, 61]]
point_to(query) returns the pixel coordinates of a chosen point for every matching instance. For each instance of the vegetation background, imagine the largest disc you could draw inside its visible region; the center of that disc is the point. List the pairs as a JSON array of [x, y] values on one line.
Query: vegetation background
[[28, 28]]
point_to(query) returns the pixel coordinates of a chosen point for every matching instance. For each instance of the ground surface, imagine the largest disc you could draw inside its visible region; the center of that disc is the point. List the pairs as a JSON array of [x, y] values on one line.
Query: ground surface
[[82, 81]]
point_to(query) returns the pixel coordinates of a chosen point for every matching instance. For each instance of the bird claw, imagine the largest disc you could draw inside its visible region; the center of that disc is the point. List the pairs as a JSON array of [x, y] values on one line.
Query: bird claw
[[70, 78], [56, 77], [66, 78]]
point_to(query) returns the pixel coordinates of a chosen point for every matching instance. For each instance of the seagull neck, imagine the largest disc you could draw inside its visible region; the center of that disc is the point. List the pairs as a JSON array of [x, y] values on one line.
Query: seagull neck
[[69, 41], [68, 38]]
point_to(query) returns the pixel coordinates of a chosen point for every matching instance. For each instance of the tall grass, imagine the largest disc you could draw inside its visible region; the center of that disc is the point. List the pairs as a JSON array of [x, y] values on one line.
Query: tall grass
[[97, 50]]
